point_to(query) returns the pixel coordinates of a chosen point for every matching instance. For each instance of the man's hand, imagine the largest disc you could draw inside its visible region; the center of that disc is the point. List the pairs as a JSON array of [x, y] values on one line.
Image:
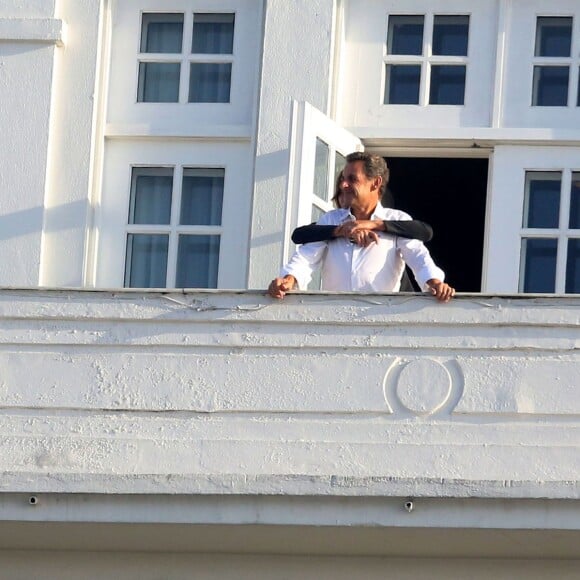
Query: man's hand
[[363, 238], [360, 232], [280, 286], [442, 291]]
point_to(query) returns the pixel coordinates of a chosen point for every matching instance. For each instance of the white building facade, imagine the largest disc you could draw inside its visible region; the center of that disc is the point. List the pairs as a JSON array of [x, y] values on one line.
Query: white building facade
[[155, 145]]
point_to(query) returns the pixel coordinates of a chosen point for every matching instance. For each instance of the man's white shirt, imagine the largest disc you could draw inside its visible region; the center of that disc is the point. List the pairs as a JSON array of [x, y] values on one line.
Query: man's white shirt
[[348, 267]]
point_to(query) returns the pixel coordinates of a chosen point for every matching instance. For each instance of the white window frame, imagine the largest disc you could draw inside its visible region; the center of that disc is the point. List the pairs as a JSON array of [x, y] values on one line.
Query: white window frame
[[518, 109], [572, 62], [510, 165], [112, 216], [561, 234], [186, 57], [174, 229], [127, 116], [364, 65], [426, 59]]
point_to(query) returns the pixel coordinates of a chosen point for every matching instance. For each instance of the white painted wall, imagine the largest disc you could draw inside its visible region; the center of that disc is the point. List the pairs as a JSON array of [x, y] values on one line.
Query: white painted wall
[[26, 68], [49, 60], [296, 64], [27, 8], [68, 206]]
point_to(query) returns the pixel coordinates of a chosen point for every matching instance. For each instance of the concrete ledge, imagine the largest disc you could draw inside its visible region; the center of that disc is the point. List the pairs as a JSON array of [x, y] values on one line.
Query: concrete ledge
[[36, 30], [290, 486], [321, 394]]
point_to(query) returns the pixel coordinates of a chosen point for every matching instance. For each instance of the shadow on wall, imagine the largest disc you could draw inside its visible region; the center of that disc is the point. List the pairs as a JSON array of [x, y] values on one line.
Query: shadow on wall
[[28, 221]]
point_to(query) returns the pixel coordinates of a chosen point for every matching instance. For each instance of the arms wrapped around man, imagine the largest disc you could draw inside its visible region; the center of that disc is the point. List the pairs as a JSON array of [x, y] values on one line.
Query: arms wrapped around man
[[413, 229]]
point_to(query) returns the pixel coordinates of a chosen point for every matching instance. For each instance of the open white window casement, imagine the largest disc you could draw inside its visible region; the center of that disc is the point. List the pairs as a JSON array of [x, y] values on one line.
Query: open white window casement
[[318, 153]]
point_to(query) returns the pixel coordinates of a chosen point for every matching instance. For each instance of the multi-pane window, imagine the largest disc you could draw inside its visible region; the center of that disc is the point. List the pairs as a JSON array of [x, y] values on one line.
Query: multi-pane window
[[186, 57], [174, 227], [426, 59], [554, 64], [550, 251]]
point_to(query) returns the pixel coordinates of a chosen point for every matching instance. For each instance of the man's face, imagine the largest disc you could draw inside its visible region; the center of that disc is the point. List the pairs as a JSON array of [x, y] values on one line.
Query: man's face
[[356, 188]]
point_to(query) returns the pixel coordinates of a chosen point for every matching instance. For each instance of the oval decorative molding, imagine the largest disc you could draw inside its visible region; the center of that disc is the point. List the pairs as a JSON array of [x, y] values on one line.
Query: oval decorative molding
[[423, 386]]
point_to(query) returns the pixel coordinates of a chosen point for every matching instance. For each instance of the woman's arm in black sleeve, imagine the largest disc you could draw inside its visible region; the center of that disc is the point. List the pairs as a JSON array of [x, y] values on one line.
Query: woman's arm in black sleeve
[[312, 233], [414, 229]]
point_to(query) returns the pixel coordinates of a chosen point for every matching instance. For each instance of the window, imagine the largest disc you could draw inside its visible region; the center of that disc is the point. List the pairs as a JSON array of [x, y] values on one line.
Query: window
[[176, 189], [426, 59], [173, 70], [174, 227], [552, 61], [185, 67], [424, 64], [550, 238]]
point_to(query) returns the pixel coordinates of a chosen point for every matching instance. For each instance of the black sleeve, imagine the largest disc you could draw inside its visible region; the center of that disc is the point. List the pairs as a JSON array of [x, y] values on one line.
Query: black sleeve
[[312, 233], [413, 229]]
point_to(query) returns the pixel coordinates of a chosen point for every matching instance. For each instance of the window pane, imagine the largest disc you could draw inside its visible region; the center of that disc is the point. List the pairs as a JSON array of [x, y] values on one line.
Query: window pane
[[573, 267], [210, 82], [339, 163], [574, 222], [405, 35], [201, 197], [450, 35], [322, 156], [161, 33], [550, 87], [151, 190], [158, 82], [213, 34], [542, 200], [553, 36], [447, 85], [146, 261], [317, 213], [197, 261], [539, 260], [402, 84]]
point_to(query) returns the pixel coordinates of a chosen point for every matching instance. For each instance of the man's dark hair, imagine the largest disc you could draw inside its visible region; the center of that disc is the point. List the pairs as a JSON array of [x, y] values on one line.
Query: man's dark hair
[[373, 166]]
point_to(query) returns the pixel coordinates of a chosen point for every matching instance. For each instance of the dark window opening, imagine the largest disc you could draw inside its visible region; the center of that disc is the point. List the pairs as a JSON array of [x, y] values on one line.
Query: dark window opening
[[450, 195]]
